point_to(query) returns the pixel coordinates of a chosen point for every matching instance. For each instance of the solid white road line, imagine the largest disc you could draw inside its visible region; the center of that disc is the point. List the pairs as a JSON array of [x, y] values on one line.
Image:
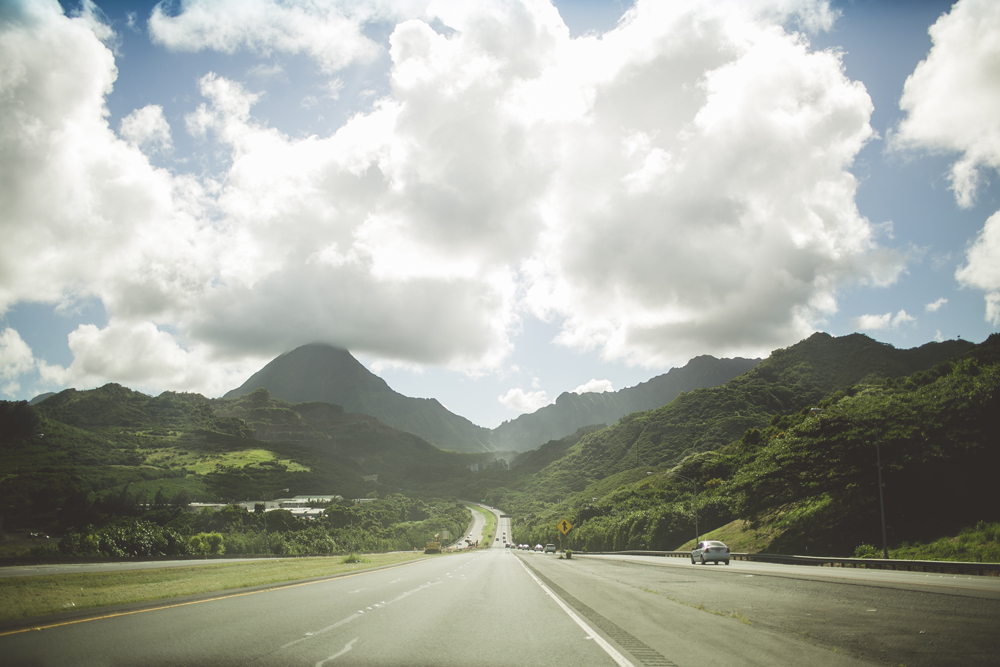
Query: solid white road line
[[608, 648]]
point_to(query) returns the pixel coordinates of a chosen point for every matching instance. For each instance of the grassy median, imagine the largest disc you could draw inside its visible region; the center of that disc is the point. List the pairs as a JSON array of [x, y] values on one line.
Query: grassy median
[[490, 528], [24, 597]]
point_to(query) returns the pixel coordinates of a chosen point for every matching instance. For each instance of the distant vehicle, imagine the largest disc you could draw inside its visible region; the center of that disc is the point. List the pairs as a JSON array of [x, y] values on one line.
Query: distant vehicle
[[538, 547], [433, 546], [710, 550], [550, 548]]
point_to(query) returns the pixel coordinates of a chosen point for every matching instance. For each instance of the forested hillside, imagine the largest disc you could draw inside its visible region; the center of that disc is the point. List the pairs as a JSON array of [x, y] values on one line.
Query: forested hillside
[[81, 456], [806, 481], [573, 411], [112, 467]]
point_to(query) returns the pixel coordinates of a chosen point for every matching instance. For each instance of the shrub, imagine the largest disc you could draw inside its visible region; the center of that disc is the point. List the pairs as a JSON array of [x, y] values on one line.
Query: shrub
[[867, 551], [354, 559]]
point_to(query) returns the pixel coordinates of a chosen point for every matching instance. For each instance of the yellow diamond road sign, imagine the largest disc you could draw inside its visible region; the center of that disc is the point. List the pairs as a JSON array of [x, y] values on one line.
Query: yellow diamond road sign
[[564, 526]]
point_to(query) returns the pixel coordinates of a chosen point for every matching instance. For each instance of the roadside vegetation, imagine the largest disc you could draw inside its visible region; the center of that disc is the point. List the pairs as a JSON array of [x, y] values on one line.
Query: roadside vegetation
[[793, 481], [40, 595], [490, 527], [113, 472]]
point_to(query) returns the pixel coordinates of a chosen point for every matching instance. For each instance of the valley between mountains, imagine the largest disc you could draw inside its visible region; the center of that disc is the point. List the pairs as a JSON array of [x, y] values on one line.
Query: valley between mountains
[[734, 444]]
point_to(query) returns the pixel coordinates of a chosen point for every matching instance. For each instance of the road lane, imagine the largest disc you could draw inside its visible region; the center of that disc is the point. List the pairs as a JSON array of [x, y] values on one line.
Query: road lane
[[731, 615], [989, 586], [453, 610], [497, 606]]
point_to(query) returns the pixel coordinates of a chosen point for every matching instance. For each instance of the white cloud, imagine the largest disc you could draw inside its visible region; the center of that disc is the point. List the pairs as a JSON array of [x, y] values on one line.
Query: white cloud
[[882, 322], [138, 353], [16, 359], [72, 193], [952, 99], [935, 306], [147, 129], [678, 186], [983, 268], [594, 386], [331, 33], [521, 401], [704, 201]]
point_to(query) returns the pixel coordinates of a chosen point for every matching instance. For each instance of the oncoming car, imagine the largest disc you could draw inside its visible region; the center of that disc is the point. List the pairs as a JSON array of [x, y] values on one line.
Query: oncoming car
[[710, 550]]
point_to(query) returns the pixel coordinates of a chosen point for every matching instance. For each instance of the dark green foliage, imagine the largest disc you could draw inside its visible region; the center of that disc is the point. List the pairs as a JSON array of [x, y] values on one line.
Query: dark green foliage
[[125, 539], [752, 448], [18, 420], [120, 453], [939, 451], [756, 452]]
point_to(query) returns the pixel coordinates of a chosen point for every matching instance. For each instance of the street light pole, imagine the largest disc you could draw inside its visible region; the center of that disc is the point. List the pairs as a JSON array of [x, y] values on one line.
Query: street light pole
[[694, 487], [878, 465]]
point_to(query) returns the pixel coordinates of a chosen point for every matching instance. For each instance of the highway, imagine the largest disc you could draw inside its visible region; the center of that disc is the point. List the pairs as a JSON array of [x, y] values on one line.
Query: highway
[[499, 606]]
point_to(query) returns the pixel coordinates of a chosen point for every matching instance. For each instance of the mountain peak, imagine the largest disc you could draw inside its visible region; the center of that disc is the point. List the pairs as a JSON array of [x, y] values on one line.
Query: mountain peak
[[328, 374], [314, 372]]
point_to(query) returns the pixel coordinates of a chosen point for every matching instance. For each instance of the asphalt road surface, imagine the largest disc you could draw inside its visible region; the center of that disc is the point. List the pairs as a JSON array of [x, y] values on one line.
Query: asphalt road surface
[[502, 607]]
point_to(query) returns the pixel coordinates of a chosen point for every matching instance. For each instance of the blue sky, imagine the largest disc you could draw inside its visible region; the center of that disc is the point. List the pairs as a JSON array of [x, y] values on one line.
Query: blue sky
[[488, 203]]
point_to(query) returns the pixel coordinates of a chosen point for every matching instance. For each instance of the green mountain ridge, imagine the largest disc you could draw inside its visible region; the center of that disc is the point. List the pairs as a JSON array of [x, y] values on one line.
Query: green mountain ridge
[[710, 418], [629, 486], [573, 411], [750, 447], [323, 373], [326, 374]]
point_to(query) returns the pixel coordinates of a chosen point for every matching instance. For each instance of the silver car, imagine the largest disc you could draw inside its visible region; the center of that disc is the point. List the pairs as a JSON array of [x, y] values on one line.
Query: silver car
[[710, 550]]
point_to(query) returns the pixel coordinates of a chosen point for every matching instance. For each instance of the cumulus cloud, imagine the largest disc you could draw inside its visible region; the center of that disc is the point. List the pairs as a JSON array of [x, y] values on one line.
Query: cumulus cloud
[[695, 209], [952, 101], [883, 322], [983, 268], [936, 305], [331, 33], [147, 129], [134, 353], [677, 186], [16, 359], [519, 400], [953, 97], [594, 386]]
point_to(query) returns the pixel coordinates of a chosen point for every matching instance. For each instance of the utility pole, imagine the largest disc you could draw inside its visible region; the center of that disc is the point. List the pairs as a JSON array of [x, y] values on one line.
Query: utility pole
[[878, 465]]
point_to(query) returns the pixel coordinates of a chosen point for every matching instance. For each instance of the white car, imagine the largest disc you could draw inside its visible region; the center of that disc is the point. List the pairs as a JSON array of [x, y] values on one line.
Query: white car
[[710, 550], [538, 547]]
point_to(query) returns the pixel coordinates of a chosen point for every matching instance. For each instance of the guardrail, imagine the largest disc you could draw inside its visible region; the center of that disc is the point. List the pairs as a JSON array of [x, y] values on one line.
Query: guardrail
[[940, 566]]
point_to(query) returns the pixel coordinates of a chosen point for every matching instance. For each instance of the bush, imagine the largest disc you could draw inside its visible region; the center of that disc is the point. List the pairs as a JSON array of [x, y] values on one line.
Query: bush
[[207, 543], [354, 559], [867, 551]]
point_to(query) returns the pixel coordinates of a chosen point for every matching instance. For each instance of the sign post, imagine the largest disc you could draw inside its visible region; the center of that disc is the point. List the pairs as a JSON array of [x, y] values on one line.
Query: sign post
[[564, 527]]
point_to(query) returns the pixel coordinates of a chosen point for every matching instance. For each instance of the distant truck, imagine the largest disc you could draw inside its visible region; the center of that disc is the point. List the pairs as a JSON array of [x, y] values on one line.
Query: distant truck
[[433, 546]]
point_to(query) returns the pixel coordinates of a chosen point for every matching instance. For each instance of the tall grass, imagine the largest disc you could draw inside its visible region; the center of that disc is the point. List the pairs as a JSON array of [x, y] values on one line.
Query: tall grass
[[975, 544]]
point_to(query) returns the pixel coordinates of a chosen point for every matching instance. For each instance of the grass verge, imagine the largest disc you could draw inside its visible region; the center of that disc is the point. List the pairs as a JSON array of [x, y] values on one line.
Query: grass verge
[[490, 529], [25, 597]]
